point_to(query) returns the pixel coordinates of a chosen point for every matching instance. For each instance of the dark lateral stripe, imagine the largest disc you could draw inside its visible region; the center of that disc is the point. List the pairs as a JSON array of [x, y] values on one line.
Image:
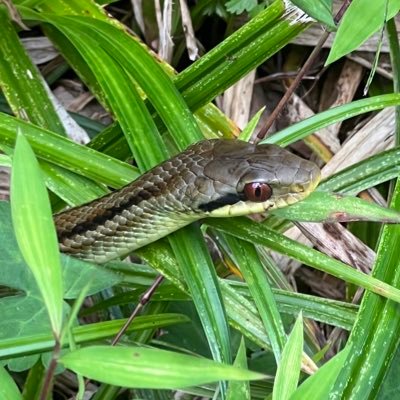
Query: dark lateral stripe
[[228, 199], [104, 214]]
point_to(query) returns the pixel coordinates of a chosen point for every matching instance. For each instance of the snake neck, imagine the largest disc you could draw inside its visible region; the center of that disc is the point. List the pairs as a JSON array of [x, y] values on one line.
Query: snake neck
[[146, 210]]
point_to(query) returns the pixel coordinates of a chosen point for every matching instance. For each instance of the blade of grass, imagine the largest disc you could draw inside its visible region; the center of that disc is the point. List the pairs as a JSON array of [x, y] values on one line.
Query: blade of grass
[[323, 119], [21, 82], [239, 389], [261, 234], [250, 266], [288, 372], [319, 385], [40, 343]]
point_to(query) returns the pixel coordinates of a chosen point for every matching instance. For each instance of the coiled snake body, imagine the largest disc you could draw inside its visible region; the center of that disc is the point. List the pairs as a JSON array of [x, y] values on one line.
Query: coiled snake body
[[212, 178]]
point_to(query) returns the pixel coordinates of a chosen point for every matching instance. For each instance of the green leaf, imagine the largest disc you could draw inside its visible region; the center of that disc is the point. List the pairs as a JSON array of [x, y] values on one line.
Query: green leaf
[[323, 119], [239, 390], [360, 21], [247, 259], [259, 233], [64, 152], [21, 81], [25, 296], [42, 342], [247, 132], [238, 6], [364, 174], [197, 268], [288, 372], [136, 367], [34, 229], [377, 324], [319, 385], [321, 10], [8, 388], [327, 207]]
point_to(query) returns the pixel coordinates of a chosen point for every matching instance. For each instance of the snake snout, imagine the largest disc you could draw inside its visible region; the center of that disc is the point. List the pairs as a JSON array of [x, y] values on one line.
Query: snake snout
[[314, 174]]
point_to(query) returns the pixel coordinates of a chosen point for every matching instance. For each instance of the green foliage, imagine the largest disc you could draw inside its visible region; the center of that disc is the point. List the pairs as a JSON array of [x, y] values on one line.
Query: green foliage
[[362, 19], [238, 6], [321, 10], [158, 112]]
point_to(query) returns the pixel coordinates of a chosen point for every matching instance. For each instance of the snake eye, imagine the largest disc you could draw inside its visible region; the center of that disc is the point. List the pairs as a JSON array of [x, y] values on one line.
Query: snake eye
[[257, 192]]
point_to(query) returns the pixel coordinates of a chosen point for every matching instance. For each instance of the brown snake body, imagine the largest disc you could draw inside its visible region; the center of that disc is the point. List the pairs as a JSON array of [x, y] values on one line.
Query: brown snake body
[[217, 178]]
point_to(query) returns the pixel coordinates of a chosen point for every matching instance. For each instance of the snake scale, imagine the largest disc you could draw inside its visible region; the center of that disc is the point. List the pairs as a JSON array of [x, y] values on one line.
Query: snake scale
[[212, 178]]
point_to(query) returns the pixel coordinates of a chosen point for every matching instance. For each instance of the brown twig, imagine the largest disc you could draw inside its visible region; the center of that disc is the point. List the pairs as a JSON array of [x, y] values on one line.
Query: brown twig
[[48, 381], [295, 83], [144, 299]]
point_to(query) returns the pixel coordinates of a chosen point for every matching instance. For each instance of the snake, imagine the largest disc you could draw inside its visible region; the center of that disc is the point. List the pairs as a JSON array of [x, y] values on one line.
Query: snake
[[211, 178]]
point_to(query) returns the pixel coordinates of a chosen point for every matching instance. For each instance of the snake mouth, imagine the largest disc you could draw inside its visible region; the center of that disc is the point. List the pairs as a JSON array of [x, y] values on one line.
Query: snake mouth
[[299, 191]]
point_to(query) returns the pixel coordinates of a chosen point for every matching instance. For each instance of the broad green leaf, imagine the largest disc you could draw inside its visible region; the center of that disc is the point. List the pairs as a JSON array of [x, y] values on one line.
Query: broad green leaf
[[319, 385], [327, 207], [360, 21], [137, 367], [288, 372], [24, 294], [34, 229], [239, 390], [321, 10], [8, 388]]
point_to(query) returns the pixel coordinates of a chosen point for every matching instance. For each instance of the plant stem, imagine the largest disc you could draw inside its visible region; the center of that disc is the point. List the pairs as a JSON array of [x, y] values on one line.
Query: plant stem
[[48, 381]]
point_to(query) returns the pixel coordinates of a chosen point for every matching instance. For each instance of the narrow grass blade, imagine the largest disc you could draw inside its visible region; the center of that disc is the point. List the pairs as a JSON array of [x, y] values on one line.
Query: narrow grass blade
[[261, 234], [40, 343], [365, 174], [288, 372], [201, 278], [34, 229], [327, 207], [319, 385], [239, 390], [377, 324], [250, 266], [64, 152], [21, 81], [304, 128], [247, 132]]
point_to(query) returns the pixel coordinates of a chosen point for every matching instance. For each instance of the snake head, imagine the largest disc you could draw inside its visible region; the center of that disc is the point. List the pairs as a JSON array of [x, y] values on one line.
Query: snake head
[[246, 179]]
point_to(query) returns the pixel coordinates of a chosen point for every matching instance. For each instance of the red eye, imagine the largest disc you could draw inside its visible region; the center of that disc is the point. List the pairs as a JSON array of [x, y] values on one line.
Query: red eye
[[257, 192]]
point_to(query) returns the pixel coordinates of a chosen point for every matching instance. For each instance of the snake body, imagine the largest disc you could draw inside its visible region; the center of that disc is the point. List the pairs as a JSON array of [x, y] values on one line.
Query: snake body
[[212, 178]]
